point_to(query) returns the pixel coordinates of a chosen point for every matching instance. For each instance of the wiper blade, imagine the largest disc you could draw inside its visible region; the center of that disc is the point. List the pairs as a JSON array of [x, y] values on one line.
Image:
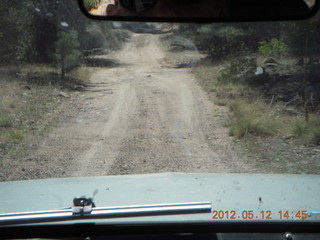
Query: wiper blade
[[84, 212]]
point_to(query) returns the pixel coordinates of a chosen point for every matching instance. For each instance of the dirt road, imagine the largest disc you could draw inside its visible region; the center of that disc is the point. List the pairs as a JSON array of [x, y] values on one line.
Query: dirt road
[[140, 117]]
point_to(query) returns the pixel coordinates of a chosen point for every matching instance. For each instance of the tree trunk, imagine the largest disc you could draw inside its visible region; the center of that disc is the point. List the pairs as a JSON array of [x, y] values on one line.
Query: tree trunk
[[305, 94], [63, 68]]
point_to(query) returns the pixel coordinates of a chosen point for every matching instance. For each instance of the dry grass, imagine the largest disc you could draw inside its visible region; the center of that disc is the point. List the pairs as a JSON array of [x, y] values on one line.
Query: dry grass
[[252, 119], [29, 68], [82, 74], [23, 106], [41, 74], [8, 98], [9, 106], [308, 132], [29, 105]]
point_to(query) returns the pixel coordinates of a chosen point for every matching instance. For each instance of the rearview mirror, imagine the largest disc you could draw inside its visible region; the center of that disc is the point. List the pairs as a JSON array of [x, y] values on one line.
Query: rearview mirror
[[199, 10]]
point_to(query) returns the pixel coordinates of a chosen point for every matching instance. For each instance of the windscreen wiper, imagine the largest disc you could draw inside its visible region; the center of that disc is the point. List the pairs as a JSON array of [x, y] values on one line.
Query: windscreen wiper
[[84, 208]]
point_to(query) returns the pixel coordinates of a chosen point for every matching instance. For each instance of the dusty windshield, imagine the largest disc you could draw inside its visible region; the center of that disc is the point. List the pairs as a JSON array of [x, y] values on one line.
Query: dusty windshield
[[93, 98]]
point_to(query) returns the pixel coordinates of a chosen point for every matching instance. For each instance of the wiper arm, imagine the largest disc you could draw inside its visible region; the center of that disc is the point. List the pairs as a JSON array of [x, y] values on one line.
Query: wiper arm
[[83, 209]]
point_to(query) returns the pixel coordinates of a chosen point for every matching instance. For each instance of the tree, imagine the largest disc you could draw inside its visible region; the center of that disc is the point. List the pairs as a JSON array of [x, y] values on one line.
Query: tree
[[17, 32], [67, 55], [227, 40], [298, 34]]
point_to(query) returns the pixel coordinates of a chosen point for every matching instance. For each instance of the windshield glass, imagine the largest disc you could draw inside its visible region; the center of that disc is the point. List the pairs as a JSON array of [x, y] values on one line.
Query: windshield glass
[[80, 97]]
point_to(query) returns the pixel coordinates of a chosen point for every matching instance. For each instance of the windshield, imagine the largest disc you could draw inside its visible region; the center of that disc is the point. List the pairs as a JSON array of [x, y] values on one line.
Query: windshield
[[80, 97]]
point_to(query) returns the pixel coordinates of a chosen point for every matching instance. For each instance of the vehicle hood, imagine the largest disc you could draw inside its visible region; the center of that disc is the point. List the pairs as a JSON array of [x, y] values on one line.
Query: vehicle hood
[[227, 192]]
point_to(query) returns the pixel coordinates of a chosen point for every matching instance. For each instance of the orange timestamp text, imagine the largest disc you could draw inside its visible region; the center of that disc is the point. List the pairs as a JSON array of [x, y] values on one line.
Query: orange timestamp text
[[264, 214]]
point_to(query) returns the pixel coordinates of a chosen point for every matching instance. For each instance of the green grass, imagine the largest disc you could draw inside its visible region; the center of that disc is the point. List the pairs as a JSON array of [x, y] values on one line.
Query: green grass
[[6, 122], [16, 135]]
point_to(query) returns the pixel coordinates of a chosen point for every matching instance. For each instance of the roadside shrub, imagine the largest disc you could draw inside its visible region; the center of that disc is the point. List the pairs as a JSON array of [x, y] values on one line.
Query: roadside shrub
[[225, 76], [81, 74], [238, 71], [273, 48], [95, 38]]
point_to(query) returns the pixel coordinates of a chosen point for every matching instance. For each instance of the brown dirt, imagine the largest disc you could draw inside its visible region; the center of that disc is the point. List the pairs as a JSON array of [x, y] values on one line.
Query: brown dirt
[[139, 117]]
